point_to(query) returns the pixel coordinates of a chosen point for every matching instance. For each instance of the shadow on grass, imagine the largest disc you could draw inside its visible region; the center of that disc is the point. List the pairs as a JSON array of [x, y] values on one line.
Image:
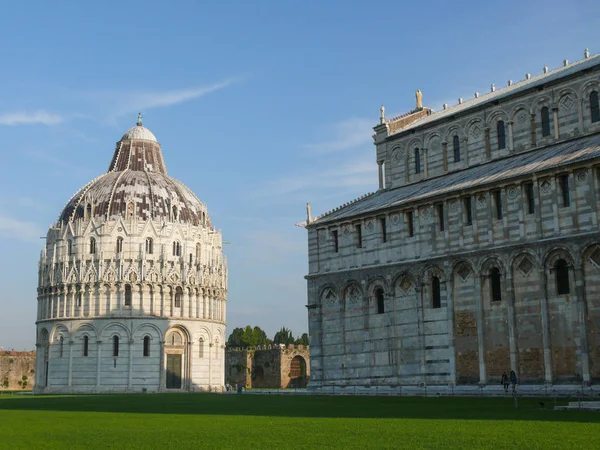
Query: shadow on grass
[[305, 406]]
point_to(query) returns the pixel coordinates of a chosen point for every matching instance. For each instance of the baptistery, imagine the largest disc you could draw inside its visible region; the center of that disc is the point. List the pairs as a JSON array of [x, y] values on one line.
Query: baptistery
[[132, 283]]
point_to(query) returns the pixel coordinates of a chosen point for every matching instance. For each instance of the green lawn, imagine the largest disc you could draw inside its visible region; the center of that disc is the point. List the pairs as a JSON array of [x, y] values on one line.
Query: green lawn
[[275, 422]]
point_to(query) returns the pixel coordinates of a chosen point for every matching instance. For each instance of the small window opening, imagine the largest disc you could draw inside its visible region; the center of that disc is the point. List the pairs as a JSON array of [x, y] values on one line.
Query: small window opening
[[409, 223], [334, 234], [178, 297], [501, 135], [564, 190], [198, 251], [545, 121], [115, 346], [495, 284], [497, 204], [62, 346], [69, 247], [92, 246], [201, 348], [417, 161], [127, 295], [562, 277], [86, 345], [436, 295], [456, 144], [119, 245], [440, 213], [149, 246], [382, 225], [146, 345], [530, 197], [88, 211], [594, 106], [358, 229], [379, 297], [468, 211]]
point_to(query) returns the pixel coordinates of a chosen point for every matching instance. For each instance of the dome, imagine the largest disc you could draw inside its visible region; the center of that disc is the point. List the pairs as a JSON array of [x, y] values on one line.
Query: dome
[[136, 186], [139, 132]]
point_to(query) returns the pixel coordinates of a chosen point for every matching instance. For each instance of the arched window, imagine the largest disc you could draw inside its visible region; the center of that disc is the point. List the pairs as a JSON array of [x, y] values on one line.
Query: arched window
[[495, 284], [149, 246], [198, 251], [130, 210], [92, 246], [562, 277], [176, 248], [191, 258], [175, 213], [127, 295], [62, 346], [501, 135], [86, 345], [545, 121], [380, 301], [146, 345], [88, 211], [69, 247], [119, 244], [456, 143], [201, 348], [115, 346], [178, 297], [436, 295], [594, 106], [417, 161]]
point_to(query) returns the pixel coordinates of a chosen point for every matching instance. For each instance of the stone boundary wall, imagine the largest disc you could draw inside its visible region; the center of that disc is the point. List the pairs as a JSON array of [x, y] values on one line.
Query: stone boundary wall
[[268, 366], [17, 370]]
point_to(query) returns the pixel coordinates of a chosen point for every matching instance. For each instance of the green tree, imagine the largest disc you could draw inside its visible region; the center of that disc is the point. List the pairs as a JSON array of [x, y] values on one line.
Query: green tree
[[235, 338], [284, 336], [303, 340], [248, 337]]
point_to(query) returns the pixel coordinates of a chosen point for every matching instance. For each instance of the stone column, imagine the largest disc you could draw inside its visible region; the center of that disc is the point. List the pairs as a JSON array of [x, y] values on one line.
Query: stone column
[[380, 173], [488, 146], [425, 163], [556, 129], [445, 155], [465, 146], [580, 115], [130, 369], [98, 362], [512, 333], [73, 298], [185, 306], [407, 167], [583, 320], [190, 360], [546, 329], [70, 370], [162, 366], [450, 318], [511, 142], [480, 346], [532, 125]]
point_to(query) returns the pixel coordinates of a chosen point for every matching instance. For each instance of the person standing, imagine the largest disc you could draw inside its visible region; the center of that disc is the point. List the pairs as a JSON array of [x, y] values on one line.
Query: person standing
[[513, 380], [505, 381]]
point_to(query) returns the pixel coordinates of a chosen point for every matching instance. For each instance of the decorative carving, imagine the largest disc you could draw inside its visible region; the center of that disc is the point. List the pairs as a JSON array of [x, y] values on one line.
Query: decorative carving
[[453, 205], [567, 101], [545, 186], [370, 225], [398, 155], [464, 271], [476, 131], [525, 266], [595, 257], [395, 219], [329, 296], [425, 212], [481, 199], [581, 177], [512, 193], [521, 118], [346, 231], [406, 283], [352, 294]]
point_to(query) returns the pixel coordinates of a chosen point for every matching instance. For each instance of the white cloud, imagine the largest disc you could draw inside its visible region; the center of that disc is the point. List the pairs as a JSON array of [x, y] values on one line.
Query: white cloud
[[30, 118], [346, 135], [19, 229]]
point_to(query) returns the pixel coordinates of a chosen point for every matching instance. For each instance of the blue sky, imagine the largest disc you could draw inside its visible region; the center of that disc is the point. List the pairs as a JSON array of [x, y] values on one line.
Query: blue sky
[[259, 107]]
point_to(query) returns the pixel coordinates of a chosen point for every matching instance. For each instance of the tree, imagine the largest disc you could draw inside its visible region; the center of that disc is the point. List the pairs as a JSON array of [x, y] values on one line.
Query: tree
[[303, 340], [248, 337], [284, 336]]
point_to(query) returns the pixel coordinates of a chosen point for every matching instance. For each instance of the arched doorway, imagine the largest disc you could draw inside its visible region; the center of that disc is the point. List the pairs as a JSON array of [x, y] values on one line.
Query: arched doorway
[[175, 359], [298, 372]]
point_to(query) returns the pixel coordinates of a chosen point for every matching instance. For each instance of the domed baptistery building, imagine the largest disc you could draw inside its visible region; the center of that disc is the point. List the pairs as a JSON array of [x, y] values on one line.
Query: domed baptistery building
[[132, 284]]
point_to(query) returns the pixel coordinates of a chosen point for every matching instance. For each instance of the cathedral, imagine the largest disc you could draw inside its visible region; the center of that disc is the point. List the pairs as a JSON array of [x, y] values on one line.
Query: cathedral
[[480, 251], [132, 284]]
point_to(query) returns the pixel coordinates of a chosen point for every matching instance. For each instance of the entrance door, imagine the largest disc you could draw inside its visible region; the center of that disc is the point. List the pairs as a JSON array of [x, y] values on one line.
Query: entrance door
[[173, 371]]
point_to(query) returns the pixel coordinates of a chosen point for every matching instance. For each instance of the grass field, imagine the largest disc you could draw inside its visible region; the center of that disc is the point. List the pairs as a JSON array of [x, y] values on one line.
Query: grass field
[[266, 422]]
